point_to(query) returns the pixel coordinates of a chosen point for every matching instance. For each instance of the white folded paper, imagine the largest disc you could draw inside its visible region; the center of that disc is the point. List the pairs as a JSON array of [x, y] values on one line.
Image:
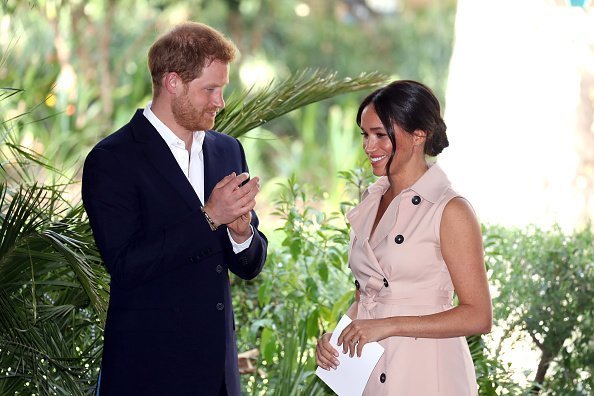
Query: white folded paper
[[352, 374]]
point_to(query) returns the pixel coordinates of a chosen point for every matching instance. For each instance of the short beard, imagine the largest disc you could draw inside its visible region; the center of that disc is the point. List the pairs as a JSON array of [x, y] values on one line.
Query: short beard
[[187, 116]]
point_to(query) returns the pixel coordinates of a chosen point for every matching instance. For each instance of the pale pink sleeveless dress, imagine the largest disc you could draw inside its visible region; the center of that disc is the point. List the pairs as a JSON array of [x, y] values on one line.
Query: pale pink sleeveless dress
[[400, 271]]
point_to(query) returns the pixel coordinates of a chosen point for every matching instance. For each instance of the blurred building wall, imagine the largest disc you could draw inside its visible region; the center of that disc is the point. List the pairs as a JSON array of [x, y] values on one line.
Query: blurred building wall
[[519, 110]]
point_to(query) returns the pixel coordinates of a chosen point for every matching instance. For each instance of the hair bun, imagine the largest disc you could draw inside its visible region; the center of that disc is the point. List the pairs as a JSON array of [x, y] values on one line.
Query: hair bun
[[438, 140]]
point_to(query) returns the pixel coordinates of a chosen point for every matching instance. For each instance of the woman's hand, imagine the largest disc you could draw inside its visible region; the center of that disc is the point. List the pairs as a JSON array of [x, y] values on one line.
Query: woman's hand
[[360, 332], [326, 355]]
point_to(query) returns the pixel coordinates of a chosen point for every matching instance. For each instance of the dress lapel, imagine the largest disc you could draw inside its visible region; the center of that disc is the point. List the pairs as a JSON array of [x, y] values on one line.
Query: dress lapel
[[361, 219], [386, 223]]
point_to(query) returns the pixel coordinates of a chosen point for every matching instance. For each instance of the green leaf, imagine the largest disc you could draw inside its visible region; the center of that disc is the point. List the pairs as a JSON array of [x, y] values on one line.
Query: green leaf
[[326, 314], [343, 303], [323, 271], [311, 288], [268, 345], [312, 325], [264, 294], [295, 247]]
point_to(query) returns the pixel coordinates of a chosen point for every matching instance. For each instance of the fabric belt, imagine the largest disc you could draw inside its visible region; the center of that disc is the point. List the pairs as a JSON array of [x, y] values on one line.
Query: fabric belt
[[411, 298]]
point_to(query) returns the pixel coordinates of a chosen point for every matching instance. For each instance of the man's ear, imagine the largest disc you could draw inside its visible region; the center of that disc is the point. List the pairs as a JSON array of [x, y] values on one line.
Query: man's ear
[[419, 137], [170, 82]]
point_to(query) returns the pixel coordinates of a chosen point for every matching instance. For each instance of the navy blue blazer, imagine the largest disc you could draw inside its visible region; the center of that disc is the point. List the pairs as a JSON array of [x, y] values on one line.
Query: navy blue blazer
[[170, 328]]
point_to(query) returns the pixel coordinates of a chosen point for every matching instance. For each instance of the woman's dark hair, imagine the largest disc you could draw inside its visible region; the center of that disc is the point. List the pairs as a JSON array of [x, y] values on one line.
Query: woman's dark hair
[[412, 106]]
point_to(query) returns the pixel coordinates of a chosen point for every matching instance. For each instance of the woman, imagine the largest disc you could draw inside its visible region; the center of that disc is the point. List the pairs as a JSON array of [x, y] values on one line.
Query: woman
[[414, 241]]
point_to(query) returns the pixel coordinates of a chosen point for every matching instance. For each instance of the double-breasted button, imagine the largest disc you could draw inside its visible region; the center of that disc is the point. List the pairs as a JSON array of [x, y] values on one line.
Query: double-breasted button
[[220, 306], [219, 268], [383, 378], [386, 282], [399, 239], [416, 200], [357, 285]]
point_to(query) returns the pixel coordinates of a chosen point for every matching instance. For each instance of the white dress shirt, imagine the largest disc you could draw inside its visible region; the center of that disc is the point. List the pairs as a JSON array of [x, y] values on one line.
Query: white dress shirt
[[191, 163]]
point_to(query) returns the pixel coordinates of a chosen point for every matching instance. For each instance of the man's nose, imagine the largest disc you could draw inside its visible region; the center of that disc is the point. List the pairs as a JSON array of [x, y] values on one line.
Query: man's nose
[[219, 101]]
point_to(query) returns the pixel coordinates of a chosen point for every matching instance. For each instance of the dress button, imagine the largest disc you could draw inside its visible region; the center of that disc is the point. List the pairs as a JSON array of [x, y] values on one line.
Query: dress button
[[399, 239], [220, 306], [416, 200], [386, 282], [357, 285], [219, 268], [383, 378]]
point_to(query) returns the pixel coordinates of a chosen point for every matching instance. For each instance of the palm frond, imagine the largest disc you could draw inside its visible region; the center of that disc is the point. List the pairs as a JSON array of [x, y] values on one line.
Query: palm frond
[[245, 111], [36, 228], [32, 354], [22, 157], [89, 276], [21, 214], [15, 159], [53, 293], [7, 92], [7, 51]]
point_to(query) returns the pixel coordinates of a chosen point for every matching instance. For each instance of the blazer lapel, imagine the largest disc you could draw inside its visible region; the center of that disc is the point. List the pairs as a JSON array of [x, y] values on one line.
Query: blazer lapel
[[210, 153], [160, 156]]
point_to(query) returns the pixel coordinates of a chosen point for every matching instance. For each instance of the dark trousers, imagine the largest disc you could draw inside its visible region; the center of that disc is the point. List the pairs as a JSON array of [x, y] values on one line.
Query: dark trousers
[[223, 391]]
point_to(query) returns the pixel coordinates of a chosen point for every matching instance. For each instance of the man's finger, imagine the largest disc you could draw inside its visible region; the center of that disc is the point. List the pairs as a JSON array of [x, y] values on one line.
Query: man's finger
[[245, 199], [248, 191], [225, 180], [238, 181], [242, 177], [248, 206], [250, 185]]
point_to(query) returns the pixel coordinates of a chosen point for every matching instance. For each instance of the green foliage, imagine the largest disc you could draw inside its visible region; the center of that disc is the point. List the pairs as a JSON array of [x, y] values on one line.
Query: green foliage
[[292, 360], [83, 65], [323, 148], [305, 287], [333, 142], [298, 90], [351, 36], [491, 375], [53, 289], [545, 282]]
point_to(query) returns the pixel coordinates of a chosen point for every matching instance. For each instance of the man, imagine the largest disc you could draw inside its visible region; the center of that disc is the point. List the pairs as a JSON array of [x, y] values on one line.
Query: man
[[171, 207]]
